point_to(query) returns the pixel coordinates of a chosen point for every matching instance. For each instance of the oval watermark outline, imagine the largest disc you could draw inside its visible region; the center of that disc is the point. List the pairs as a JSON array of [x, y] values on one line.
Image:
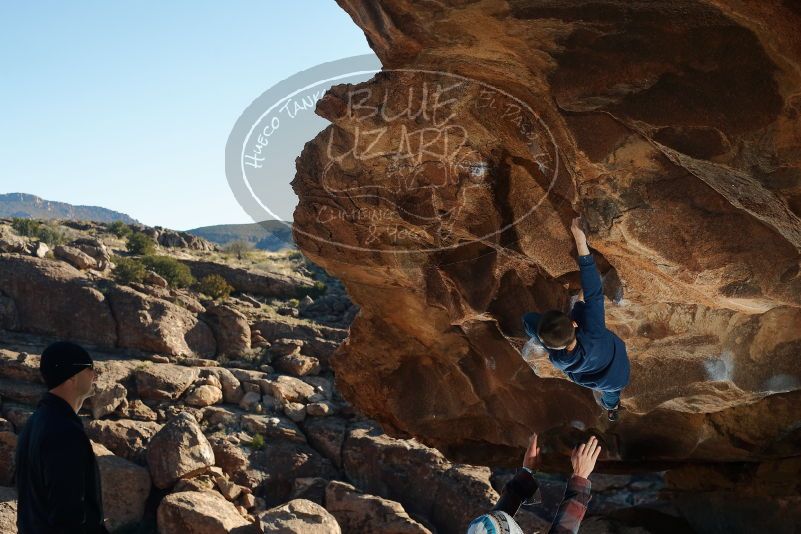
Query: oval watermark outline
[[294, 228]]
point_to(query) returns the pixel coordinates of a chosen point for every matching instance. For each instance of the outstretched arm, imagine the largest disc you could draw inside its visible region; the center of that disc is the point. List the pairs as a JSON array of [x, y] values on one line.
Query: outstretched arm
[[577, 494], [591, 283], [523, 486]]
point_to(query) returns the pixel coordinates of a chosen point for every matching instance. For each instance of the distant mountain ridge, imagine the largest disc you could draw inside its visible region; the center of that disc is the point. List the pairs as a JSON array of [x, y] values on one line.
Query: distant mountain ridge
[[269, 235], [32, 207]]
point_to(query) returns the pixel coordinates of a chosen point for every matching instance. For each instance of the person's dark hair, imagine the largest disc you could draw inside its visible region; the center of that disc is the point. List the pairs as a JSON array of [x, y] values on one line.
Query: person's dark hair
[[556, 329]]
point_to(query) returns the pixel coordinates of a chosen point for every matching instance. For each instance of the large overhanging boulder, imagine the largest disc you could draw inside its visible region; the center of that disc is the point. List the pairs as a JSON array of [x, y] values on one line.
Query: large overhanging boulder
[[672, 127]]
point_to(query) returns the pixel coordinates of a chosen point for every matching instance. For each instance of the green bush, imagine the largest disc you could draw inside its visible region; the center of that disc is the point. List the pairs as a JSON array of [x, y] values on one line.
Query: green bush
[[173, 271], [257, 442], [141, 244], [52, 235], [129, 270], [214, 286], [119, 229], [26, 227], [47, 232]]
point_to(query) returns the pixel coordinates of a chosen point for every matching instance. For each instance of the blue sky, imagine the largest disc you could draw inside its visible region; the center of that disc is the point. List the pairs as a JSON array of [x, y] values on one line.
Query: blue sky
[[128, 105]]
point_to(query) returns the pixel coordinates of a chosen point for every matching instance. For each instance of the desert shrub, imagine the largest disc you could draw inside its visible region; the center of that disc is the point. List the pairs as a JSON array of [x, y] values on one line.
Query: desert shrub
[[293, 303], [240, 249], [141, 243], [315, 291], [119, 229], [214, 286], [257, 442], [129, 270], [26, 227], [295, 255], [52, 235], [173, 271], [47, 232]]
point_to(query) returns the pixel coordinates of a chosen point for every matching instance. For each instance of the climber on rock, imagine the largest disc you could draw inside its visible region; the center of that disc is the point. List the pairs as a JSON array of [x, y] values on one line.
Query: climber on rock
[[579, 344]]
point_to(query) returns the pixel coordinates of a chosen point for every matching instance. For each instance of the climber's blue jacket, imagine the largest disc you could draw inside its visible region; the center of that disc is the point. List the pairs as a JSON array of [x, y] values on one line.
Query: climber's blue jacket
[[599, 360]]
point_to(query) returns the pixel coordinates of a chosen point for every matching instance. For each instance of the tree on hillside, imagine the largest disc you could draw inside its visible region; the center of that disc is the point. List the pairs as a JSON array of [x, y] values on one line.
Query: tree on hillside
[[240, 248]]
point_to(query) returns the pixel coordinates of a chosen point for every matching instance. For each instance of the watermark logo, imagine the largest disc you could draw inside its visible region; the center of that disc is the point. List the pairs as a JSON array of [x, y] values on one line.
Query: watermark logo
[[410, 164]]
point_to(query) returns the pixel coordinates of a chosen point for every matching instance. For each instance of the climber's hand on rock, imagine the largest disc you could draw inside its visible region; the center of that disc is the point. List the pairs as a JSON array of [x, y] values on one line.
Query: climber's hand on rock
[[578, 233], [532, 458], [584, 457]]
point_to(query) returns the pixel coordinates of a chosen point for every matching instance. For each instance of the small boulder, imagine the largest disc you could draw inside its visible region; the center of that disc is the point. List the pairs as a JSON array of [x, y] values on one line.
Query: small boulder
[[125, 437], [164, 381], [299, 517], [177, 450], [319, 409], [297, 364], [359, 512], [288, 389], [204, 395], [38, 249], [295, 411], [200, 512], [154, 279], [125, 488], [75, 257]]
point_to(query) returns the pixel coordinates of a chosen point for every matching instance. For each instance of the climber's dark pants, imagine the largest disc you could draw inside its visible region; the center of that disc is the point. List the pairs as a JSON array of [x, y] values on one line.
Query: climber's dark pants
[[609, 399]]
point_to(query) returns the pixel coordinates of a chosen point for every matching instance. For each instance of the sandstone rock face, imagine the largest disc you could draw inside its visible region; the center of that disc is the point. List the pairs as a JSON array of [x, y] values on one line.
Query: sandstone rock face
[[393, 468], [156, 325], [257, 283], [200, 512], [125, 487], [687, 176], [230, 327], [357, 512], [178, 449], [299, 516], [47, 294]]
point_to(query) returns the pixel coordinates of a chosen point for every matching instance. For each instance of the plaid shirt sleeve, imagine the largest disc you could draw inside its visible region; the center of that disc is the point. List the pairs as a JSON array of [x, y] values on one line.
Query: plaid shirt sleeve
[[574, 505]]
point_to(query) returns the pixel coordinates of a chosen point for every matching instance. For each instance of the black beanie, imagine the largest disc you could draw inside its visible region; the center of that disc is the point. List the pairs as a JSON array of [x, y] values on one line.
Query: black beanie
[[61, 360]]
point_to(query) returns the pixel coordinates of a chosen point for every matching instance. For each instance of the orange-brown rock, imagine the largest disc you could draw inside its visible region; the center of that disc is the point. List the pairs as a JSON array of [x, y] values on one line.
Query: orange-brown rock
[[152, 324], [671, 127], [53, 298], [125, 487], [200, 512]]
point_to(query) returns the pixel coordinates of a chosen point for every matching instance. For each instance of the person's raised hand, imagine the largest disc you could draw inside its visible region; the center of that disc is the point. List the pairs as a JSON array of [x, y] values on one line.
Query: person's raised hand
[[584, 457], [532, 458], [578, 233]]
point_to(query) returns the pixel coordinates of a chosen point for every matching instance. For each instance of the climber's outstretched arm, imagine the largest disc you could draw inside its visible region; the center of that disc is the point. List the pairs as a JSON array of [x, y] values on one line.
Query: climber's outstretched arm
[[591, 283]]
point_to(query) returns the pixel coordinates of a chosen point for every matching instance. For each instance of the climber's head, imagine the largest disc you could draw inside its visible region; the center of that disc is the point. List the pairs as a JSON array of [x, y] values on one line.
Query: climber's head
[[556, 330]]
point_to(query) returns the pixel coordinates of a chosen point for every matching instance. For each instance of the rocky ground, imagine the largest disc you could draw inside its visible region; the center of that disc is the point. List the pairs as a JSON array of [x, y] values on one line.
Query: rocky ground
[[223, 416]]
